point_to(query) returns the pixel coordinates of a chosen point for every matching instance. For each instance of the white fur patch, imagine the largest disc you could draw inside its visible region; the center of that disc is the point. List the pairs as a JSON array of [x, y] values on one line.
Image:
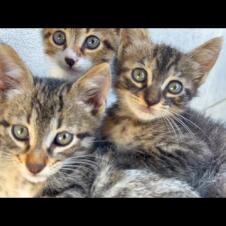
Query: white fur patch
[[87, 142], [13, 93], [80, 67]]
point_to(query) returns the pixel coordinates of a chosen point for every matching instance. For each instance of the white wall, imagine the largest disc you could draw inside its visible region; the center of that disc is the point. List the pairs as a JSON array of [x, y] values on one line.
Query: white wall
[[28, 43]]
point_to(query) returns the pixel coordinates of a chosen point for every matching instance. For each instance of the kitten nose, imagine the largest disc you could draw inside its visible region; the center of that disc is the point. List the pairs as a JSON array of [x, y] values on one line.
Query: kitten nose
[[36, 162], [35, 168], [152, 97], [70, 62]]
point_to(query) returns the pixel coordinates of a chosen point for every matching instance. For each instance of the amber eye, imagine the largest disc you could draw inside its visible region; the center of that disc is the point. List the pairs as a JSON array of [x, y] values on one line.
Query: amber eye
[[59, 38], [63, 138], [139, 75], [175, 87], [92, 42], [20, 132]]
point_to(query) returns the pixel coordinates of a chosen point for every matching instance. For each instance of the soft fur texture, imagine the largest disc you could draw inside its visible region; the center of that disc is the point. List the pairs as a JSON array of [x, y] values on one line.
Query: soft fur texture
[[46, 107], [75, 48], [38, 166], [152, 127]]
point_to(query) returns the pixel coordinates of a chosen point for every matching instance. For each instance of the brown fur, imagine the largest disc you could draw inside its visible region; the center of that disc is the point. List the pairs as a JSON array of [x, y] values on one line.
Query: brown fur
[[155, 126], [75, 39], [45, 107]]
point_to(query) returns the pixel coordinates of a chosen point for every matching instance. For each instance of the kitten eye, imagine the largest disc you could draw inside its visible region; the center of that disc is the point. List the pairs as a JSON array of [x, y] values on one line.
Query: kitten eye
[[59, 38], [20, 132], [175, 87], [139, 75], [63, 138], [92, 42]]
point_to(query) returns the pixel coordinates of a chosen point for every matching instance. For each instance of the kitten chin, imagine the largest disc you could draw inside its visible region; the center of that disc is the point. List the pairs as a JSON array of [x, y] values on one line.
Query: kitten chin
[[13, 184], [57, 72]]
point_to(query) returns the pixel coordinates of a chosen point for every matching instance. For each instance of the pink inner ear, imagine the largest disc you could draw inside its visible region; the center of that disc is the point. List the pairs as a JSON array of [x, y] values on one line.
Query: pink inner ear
[[2, 86], [96, 100], [206, 66], [7, 82]]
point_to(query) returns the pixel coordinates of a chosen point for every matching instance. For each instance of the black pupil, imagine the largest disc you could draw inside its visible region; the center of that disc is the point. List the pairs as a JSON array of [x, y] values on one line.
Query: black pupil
[[92, 41], [65, 136], [140, 74]]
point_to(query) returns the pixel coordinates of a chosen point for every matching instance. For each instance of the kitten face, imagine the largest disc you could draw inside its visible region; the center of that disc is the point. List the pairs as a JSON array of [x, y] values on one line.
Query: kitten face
[[76, 50], [46, 124], [157, 80]]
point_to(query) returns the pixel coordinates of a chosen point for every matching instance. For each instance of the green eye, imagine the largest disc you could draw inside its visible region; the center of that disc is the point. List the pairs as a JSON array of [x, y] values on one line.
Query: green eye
[[20, 132], [63, 139], [59, 38], [175, 87], [92, 42], [139, 75]]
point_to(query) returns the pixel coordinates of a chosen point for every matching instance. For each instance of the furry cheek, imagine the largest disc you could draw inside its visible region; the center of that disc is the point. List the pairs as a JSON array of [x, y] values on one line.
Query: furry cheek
[[87, 142]]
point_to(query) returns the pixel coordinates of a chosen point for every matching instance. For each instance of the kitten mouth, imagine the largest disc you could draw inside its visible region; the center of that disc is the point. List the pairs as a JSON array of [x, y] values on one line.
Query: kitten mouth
[[74, 71], [145, 109], [35, 179]]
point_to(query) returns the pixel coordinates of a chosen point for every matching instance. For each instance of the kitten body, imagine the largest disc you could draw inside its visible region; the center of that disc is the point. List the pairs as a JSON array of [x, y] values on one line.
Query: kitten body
[[151, 120], [115, 180]]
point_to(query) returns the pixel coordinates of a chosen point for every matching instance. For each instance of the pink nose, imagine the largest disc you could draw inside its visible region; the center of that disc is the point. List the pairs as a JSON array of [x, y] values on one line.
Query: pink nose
[[36, 162], [35, 168]]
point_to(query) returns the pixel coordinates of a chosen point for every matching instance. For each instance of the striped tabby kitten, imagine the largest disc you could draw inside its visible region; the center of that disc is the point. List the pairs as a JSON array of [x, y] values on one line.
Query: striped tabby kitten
[[74, 50], [47, 128], [151, 124]]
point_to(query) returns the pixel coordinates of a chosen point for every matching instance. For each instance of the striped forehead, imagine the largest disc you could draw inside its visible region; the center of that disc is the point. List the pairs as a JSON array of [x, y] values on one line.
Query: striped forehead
[[165, 60]]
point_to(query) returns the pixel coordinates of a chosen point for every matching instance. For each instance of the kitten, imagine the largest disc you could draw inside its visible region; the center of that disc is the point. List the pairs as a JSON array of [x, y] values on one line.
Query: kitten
[[151, 120], [74, 50], [47, 128]]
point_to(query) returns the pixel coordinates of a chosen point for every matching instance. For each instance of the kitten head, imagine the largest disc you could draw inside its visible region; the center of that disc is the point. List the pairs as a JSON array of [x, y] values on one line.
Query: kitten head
[[45, 124], [157, 80], [76, 50]]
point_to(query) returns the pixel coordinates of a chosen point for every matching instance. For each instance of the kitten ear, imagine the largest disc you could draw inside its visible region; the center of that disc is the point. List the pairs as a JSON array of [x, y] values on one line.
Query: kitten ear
[[205, 58], [131, 37], [14, 75], [92, 88]]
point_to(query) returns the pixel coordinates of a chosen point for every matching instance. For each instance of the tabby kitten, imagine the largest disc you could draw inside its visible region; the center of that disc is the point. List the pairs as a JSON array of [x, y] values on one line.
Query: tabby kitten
[[74, 50], [151, 120], [47, 128]]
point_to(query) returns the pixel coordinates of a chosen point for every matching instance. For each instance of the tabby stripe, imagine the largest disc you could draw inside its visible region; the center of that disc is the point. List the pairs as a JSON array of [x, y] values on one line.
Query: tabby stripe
[[47, 35], [108, 45], [4, 123]]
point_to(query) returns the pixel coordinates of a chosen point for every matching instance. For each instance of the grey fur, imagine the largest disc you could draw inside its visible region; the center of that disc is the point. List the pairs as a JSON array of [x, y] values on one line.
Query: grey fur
[[165, 135]]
